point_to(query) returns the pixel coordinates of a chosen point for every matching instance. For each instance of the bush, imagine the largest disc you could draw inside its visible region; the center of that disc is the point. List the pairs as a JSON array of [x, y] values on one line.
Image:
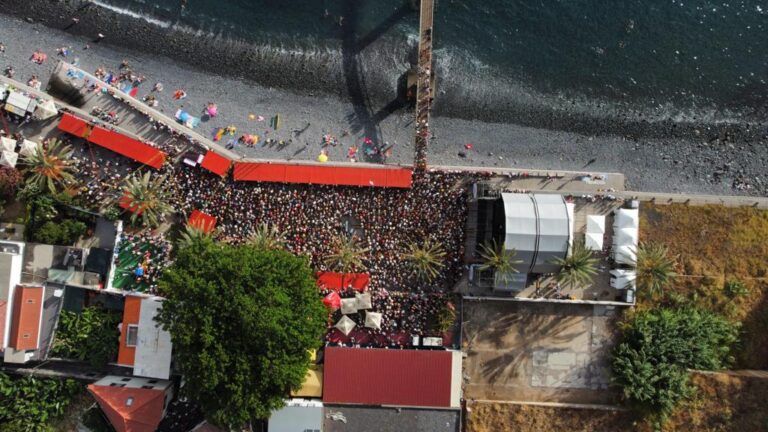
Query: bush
[[90, 335], [10, 179], [64, 233], [30, 404], [735, 288], [112, 214], [657, 347]]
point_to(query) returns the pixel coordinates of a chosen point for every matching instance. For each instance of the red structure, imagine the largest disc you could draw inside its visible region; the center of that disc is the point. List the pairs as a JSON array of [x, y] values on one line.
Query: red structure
[[216, 163], [413, 378], [323, 174], [202, 221], [340, 281], [25, 321], [110, 140], [142, 414]]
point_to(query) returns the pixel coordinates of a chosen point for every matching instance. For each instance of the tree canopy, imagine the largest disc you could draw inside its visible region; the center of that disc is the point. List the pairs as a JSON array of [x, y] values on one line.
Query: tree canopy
[[242, 320], [657, 348]]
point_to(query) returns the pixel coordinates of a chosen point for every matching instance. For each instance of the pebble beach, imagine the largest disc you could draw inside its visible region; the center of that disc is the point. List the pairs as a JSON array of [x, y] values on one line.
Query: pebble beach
[[664, 157]]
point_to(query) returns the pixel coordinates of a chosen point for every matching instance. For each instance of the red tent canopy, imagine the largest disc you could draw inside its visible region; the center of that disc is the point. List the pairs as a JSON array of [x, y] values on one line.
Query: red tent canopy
[[332, 300], [125, 202], [339, 281], [216, 163], [111, 140], [323, 174], [202, 221]]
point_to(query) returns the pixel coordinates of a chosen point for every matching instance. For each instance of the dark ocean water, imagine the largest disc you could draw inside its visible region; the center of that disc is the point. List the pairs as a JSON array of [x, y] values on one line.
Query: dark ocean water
[[698, 59]]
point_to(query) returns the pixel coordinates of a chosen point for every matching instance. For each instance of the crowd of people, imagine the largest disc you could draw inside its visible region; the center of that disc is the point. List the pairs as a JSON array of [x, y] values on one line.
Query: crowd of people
[[140, 260], [386, 219]]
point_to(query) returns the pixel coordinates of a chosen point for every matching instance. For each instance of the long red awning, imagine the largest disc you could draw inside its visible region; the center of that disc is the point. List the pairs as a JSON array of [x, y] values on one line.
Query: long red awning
[[216, 163], [319, 174], [118, 143]]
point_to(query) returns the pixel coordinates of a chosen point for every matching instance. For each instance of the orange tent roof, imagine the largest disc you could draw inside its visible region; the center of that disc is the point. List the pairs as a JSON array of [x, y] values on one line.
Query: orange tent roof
[[202, 221], [323, 174], [216, 163], [130, 409]]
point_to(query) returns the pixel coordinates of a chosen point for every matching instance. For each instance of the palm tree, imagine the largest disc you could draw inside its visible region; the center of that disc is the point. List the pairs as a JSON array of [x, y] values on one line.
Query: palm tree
[[655, 268], [49, 165], [578, 267], [193, 234], [348, 255], [499, 259], [266, 237], [146, 197], [426, 259]]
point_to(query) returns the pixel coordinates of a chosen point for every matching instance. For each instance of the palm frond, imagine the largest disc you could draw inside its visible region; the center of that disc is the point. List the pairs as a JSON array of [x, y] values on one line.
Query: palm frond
[[49, 165], [501, 260], [655, 268], [426, 259], [147, 198], [266, 237], [348, 255], [576, 269]]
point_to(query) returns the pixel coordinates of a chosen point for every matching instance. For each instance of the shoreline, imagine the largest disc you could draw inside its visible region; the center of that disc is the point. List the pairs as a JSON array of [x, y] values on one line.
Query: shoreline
[[710, 163], [368, 77]]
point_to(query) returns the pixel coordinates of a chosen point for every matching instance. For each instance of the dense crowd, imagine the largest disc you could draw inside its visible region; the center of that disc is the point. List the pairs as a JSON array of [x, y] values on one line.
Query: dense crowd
[[140, 261], [386, 220]]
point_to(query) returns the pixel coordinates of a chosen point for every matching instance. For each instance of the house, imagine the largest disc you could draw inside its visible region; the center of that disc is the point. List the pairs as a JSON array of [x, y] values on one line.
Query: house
[[144, 345], [399, 378], [132, 404], [25, 324], [298, 415]]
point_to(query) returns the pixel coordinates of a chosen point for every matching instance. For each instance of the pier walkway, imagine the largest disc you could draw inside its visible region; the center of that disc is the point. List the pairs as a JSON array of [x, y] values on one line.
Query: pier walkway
[[423, 83]]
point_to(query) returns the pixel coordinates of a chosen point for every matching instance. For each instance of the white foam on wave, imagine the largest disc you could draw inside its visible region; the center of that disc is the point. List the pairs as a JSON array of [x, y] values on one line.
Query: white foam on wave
[[132, 14]]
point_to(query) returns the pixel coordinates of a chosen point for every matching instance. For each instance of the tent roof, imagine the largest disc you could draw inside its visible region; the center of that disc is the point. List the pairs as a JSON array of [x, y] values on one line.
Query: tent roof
[[28, 148], [9, 159], [363, 301], [627, 218], [596, 224], [345, 325], [624, 255], [520, 227], [8, 144], [216, 163], [554, 231], [594, 241], [130, 409], [348, 305], [373, 320], [202, 221]]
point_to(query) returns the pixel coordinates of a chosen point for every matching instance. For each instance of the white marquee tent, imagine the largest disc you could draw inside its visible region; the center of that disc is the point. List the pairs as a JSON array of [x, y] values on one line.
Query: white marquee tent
[[595, 232], [9, 159], [345, 325], [8, 144], [363, 301], [28, 148], [348, 306], [626, 228], [373, 320]]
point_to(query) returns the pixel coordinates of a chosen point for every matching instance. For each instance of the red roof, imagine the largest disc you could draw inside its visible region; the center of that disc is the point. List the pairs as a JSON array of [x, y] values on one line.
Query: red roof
[[339, 281], [216, 163], [365, 376], [323, 174], [25, 322], [144, 413], [118, 143], [3, 309], [202, 221]]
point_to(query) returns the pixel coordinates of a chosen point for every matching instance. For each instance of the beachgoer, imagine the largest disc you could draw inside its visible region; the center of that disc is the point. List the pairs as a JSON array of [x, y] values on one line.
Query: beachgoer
[[2, 48], [158, 87], [9, 71], [179, 94]]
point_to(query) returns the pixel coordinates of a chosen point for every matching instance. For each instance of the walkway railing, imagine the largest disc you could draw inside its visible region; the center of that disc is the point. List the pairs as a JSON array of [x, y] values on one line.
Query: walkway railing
[[423, 83]]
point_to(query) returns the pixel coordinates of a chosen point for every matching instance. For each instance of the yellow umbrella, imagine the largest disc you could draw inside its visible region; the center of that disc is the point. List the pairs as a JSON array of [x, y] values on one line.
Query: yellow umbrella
[[323, 157]]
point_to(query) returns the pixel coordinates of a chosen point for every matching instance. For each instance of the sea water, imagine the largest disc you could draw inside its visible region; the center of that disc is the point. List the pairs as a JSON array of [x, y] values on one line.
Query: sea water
[[700, 60]]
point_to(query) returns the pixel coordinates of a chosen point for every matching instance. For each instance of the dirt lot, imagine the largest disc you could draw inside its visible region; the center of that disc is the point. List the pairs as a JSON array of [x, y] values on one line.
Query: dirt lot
[[714, 245], [732, 402], [537, 352]]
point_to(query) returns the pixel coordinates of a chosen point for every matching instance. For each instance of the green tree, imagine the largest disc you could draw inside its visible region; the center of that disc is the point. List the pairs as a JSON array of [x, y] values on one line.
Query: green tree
[[655, 269], [242, 321], [147, 198], [426, 259], [576, 269], [501, 260], [90, 335], [50, 165], [266, 237], [64, 233], [347, 255], [658, 346], [29, 404]]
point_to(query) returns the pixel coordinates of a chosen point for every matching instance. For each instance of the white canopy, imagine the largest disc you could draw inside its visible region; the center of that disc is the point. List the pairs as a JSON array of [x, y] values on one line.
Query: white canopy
[[625, 255], [596, 224], [9, 159], [373, 320], [625, 237], [28, 148], [593, 241], [627, 218], [46, 110], [345, 325], [8, 144], [348, 306], [621, 279], [363, 301]]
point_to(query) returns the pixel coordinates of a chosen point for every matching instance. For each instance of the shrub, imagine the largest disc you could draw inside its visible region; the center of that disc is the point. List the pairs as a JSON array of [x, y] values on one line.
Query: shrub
[[735, 288], [10, 179], [90, 335], [112, 213], [30, 404], [658, 346], [64, 233]]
